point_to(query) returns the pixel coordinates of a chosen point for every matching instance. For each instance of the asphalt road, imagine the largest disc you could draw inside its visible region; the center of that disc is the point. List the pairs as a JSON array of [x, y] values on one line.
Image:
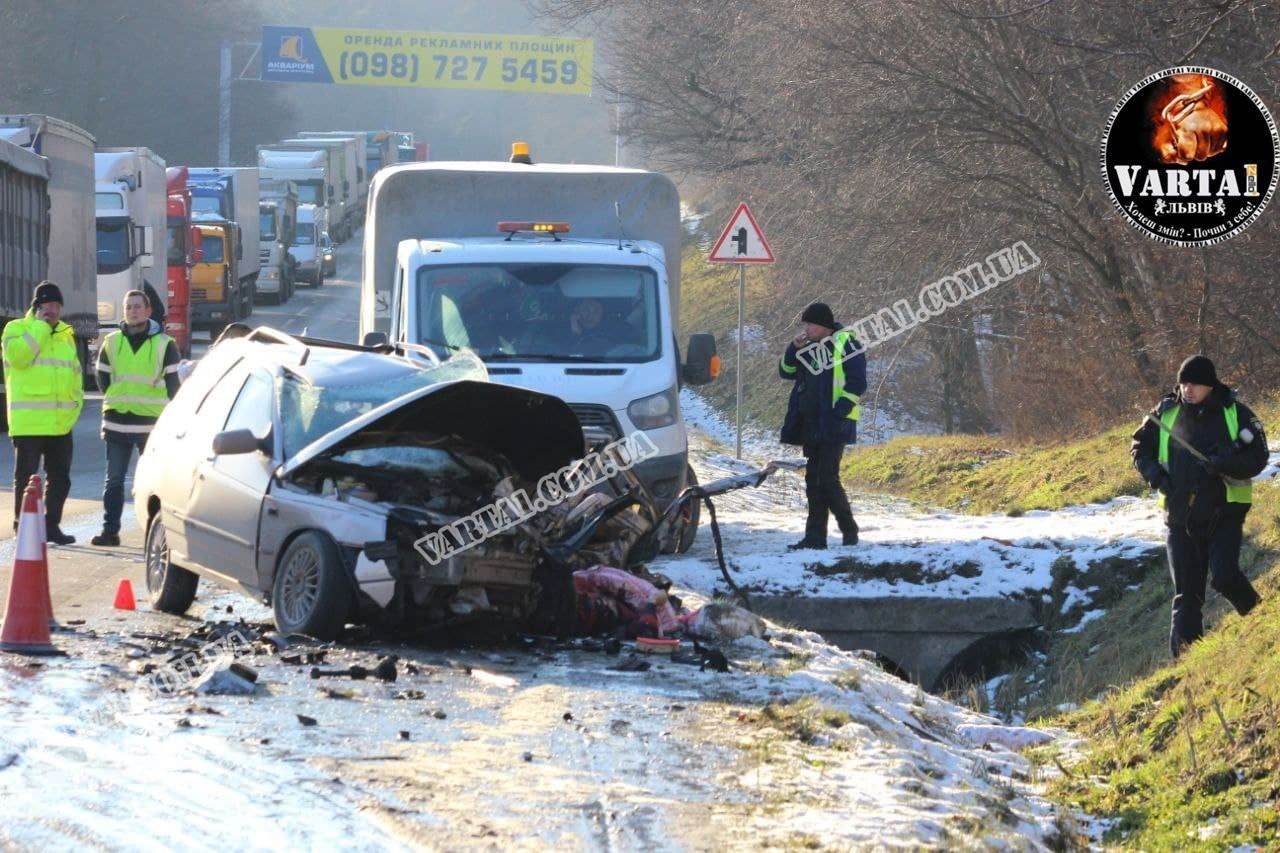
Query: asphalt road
[[330, 311]]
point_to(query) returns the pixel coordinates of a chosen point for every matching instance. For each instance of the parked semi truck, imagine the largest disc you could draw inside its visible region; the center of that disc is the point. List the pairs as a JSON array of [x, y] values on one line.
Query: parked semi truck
[[68, 150], [306, 244], [342, 159], [24, 239], [380, 151], [277, 224], [231, 194], [131, 202], [471, 255], [182, 252], [360, 143], [311, 170]]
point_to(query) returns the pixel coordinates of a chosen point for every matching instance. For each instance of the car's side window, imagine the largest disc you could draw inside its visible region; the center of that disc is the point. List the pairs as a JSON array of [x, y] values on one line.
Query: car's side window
[[254, 406]]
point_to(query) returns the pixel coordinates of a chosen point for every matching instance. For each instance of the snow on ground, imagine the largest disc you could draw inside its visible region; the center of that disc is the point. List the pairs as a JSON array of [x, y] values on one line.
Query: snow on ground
[[1273, 464], [78, 767], [905, 550]]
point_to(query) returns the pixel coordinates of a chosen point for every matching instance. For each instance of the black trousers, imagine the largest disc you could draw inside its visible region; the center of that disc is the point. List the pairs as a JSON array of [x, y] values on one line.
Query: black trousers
[[1210, 552], [825, 494], [56, 450]]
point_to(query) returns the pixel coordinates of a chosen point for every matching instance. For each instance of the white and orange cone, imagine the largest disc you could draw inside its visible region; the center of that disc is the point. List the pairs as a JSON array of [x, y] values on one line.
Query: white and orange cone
[[27, 612]]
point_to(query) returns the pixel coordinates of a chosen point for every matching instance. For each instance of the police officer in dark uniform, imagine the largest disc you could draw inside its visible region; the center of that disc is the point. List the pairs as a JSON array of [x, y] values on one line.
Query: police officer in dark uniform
[[1199, 448], [828, 369]]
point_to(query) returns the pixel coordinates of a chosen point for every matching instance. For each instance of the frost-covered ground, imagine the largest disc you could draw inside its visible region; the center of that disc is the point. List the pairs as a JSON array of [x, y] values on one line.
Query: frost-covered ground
[[551, 746]]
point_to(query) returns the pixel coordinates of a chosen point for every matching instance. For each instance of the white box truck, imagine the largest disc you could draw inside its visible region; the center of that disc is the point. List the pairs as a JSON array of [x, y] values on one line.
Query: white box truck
[[69, 152], [342, 151], [278, 220], [314, 168], [475, 255], [360, 138], [130, 201]]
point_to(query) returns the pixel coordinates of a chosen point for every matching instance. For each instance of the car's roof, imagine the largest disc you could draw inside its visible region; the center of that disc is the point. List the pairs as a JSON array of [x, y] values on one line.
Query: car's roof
[[325, 365]]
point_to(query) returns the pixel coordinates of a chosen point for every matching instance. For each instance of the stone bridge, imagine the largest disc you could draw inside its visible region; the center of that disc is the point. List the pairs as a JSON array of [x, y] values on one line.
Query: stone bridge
[[927, 640]]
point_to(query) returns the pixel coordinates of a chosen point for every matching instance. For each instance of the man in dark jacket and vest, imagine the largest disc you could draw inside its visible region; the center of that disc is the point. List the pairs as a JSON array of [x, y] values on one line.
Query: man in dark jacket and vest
[[1199, 448], [138, 374], [828, 370], [45, 394]]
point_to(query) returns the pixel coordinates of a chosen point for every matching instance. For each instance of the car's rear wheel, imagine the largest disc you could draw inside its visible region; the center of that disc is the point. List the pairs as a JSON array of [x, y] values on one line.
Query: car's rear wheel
[[310, 595], [170, 588]]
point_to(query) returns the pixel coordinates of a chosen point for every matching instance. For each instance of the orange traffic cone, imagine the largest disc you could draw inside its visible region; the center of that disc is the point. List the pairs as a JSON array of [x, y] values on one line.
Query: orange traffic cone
[[35, 483], [26, 618], [124, 595]]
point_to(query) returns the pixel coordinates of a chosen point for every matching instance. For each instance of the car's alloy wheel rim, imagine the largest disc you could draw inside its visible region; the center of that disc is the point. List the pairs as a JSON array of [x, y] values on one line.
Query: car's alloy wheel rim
[[300, 585], [157, 556]]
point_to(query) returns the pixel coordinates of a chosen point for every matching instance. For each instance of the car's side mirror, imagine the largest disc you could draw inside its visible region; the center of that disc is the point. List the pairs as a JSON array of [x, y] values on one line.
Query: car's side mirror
[[702, 365], [236, 441], [375, 339]]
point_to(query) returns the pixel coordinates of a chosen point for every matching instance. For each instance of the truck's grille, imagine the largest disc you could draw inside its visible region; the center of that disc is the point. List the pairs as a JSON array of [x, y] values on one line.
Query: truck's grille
[[264, 256], [199, 293], [597, 416]]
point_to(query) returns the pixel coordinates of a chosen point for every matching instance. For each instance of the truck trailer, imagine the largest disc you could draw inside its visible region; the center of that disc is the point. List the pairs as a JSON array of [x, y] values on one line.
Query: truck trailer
[[130, 201], [24, 240], [68, 150]]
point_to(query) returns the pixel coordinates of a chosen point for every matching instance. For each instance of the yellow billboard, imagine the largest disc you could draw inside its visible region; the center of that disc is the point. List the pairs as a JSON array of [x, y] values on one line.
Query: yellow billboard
[[512, 63]]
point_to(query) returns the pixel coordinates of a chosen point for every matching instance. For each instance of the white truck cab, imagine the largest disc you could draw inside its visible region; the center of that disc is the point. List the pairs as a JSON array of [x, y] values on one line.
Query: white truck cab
[[562, 279]]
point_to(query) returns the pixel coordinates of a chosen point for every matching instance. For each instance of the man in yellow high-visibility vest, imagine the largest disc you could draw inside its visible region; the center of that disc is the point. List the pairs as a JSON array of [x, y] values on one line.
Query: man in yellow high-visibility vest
[[45, 390], [1205, 492], [138, 374]]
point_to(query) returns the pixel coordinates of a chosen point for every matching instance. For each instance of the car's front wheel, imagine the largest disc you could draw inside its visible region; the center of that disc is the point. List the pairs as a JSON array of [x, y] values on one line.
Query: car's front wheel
[[170, 588], [310, 595]]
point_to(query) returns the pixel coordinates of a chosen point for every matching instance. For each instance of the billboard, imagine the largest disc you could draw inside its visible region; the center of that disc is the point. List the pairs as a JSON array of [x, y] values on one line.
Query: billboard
[[511, 63]]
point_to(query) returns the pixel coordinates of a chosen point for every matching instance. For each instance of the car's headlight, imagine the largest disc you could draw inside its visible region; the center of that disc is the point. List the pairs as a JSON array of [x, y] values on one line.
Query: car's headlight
[[654, 411]]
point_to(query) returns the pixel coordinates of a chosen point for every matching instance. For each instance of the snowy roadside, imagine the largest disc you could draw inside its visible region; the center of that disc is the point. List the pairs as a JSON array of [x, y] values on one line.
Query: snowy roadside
[[564, 745]]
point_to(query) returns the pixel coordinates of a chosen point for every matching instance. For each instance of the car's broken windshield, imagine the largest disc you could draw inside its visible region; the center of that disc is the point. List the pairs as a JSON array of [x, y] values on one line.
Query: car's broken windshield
[[309, 410]]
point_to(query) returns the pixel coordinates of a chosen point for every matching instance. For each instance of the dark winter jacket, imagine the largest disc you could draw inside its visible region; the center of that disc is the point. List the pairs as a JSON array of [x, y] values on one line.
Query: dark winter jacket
[[814, 416], [1192, 492]]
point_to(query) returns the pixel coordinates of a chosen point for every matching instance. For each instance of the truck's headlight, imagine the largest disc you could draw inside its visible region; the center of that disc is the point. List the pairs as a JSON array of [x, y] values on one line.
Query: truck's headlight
[[654, 411]]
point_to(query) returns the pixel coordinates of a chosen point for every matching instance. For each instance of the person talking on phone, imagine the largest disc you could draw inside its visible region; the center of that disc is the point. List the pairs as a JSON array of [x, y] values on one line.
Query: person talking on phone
[[828, 371], [45, 394]]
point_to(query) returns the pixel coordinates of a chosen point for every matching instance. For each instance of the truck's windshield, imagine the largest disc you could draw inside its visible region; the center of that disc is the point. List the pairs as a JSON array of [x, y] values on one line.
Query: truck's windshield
[[176, 245], [113, 244], [544, 312], [206, 204], [267, 224], [309, 192], [212, 248]]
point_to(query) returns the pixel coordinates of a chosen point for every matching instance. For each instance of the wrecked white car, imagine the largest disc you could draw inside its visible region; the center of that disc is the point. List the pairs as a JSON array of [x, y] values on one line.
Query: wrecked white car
[[302, 473]]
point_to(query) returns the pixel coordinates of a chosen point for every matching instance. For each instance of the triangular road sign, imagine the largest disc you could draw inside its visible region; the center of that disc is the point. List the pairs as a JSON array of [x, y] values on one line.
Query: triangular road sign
[[742, 241]]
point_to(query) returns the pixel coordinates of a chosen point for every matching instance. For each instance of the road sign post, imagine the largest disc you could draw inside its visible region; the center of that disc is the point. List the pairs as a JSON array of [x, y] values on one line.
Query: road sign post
[[748, 247]]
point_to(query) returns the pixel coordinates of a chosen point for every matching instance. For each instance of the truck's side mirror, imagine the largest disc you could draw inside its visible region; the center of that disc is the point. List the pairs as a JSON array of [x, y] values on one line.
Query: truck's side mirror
[[239, 244], [196, 240], [330, 192], [702, 365], [346, 187]]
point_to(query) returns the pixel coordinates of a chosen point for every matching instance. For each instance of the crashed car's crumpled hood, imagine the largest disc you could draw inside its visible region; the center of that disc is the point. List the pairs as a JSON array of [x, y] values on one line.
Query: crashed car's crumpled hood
[[537, 432]]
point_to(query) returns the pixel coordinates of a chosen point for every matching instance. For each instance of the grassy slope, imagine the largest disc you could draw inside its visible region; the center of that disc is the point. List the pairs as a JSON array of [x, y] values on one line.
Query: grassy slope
[[1181, 755]]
